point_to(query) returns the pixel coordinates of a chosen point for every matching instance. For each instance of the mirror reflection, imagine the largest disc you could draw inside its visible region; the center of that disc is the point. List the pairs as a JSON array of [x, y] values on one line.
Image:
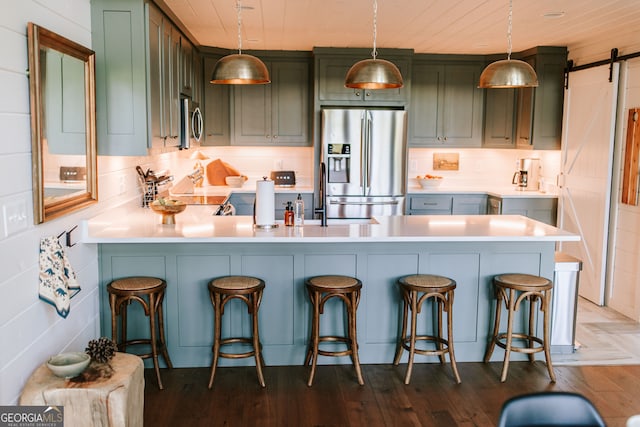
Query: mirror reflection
[[62, 86]]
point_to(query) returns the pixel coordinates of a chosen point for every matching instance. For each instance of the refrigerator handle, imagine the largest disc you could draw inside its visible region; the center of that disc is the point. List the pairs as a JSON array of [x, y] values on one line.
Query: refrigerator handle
[[367, 144], [363, 150]]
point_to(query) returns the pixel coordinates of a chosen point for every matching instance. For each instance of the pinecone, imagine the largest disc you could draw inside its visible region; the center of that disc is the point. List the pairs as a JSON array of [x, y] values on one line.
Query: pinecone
[[101, 350]]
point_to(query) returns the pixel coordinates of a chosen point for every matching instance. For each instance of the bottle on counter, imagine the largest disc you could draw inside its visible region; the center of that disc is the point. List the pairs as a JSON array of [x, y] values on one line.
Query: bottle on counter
[[288, 215], [298, 211]]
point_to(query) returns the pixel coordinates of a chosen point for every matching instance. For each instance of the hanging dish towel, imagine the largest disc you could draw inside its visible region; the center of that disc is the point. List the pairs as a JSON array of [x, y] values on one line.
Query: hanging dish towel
[[57, 279]]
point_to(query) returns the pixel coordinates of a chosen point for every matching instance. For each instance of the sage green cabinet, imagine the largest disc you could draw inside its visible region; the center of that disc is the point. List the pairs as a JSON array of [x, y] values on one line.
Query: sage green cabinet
[[332, 69], [543, 209], [138, 77], [274, 114], [446, 104], [539, 117], [446, 204], [499, 118], [215, 107]]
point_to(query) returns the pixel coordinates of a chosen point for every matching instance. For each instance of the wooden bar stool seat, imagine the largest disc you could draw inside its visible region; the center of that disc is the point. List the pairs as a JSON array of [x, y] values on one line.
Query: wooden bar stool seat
[[416, 289], [221, 291], [321, 289], [149, 292], [513, 289]]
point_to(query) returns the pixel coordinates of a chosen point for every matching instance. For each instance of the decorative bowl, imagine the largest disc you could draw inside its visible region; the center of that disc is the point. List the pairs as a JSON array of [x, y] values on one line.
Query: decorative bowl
[[168, 208], [235, 181], [68, 365], [433, 182]]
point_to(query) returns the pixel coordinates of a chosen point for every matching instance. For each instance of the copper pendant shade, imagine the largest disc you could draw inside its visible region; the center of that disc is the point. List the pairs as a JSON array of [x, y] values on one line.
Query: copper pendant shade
[[240, 68], [508, 73], [374, 73]]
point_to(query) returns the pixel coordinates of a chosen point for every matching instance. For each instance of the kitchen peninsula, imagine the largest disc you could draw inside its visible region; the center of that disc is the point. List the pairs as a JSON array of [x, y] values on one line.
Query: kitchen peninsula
[[468, 248]]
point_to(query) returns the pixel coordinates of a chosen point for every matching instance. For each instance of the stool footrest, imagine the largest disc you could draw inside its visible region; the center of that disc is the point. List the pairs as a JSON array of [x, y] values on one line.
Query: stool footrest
[[235, 340], [406, 344], [519, 349]]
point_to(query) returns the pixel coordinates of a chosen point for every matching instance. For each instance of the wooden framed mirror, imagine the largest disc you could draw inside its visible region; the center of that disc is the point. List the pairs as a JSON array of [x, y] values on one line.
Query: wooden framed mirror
[[63, 124]]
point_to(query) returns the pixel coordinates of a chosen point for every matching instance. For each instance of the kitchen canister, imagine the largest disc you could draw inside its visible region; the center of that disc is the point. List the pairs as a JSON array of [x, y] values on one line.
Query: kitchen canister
[[264, 210]]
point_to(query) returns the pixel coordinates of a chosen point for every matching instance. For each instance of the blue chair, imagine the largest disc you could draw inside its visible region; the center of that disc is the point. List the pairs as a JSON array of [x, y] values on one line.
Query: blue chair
[[549, 409]]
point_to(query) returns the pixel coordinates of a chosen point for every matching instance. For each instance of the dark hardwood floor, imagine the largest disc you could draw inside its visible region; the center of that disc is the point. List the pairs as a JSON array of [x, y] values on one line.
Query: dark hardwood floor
[[336, 399]]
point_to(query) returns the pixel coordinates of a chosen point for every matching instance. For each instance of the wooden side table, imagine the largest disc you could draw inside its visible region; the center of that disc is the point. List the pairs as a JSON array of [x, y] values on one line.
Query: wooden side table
[[115, 401]]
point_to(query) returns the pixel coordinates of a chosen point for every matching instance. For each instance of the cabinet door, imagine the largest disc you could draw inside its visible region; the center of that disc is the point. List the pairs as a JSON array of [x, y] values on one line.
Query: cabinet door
[[174, 87], [499, 118], [252, 114], [331, 74], [186, 67], [525, 99], [425, 104], [215, 108], [156, 74], [198, 78], [446, 105], [540, 209], [290, 102], [430, 205], [469, 205]]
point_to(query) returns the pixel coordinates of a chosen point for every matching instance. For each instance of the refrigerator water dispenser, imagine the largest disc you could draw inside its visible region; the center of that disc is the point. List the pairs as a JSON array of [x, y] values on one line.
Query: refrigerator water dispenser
[[339, 158]]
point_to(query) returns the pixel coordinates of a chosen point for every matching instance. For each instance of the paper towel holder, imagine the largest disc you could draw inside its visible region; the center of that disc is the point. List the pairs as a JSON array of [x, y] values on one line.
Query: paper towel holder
[[261, 226]]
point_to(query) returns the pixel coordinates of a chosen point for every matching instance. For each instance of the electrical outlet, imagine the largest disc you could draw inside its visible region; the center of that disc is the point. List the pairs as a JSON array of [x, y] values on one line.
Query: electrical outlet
[[122, 185], [15, 216], [277, 165], [413, 165]]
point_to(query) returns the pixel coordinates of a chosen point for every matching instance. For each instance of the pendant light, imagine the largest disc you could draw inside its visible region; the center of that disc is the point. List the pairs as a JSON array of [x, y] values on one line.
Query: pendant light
[[508, 73], [374, 73], [240, 68]]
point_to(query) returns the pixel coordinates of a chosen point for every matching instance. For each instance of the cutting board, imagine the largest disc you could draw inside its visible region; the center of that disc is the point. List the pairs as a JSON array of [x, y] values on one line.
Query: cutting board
[[217, 171]]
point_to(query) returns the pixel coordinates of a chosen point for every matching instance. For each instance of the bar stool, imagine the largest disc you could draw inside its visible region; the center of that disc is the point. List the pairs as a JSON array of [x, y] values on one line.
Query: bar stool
[[513, 289], [321, 289], [221, 291], [121, 293], [416, 289]]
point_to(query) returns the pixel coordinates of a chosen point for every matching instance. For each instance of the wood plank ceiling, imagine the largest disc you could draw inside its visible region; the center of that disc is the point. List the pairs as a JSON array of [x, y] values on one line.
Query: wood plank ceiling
[[590, 28]]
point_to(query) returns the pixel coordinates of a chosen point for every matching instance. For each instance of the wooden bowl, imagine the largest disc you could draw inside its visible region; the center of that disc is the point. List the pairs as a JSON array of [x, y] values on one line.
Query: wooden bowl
[[168, 209], [235, 181]]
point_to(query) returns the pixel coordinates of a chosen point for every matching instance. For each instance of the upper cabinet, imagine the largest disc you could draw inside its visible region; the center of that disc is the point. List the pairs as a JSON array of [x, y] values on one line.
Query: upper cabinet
[[539, 113], [446, 104], [276, 113], [215, 106], [529, 118], [332, 65], [140, 74]]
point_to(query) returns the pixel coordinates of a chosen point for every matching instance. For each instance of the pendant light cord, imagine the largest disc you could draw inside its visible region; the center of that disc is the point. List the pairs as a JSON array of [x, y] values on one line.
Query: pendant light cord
[[374, 52], [239, 13], [509, 29]]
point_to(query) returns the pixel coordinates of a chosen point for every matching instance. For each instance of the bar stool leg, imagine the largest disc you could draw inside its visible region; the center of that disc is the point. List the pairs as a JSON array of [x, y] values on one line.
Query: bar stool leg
[[403, 333], [496, 328], [507, 352], [255, 302], [439, 344], [154, 343], [163, 342], [217, 332], [114, 319], [413, 296], [452, 357], [546, 334], [315, 328], [353, 306]]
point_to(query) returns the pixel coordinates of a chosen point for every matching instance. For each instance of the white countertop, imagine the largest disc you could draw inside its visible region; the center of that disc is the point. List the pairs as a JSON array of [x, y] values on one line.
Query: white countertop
[[503, 192], [127, 224]]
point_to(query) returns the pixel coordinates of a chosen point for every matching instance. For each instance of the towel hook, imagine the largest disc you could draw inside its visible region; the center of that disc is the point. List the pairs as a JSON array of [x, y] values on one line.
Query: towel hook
[[68, 233]]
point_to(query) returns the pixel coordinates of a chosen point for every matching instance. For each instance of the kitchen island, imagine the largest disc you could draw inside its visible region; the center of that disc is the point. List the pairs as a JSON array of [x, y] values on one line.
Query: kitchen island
[[468, 248]]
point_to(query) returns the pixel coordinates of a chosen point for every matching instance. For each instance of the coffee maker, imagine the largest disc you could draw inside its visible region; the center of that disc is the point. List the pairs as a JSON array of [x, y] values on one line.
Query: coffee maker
[[527, 175]]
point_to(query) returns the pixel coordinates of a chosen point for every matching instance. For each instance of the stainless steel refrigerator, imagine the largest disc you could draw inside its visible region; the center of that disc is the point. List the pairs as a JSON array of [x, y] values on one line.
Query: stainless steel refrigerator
[[365, 155]]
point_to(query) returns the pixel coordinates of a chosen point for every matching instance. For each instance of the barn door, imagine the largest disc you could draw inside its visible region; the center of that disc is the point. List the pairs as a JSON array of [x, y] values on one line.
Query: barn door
[[586, 172]]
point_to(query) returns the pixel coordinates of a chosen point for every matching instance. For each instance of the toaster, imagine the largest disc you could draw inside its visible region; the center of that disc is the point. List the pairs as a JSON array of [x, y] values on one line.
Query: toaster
[[283, 178]]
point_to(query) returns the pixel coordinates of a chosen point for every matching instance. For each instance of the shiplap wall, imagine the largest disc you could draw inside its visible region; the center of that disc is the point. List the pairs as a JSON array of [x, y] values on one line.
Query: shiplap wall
[[624, 287], [31, 330]]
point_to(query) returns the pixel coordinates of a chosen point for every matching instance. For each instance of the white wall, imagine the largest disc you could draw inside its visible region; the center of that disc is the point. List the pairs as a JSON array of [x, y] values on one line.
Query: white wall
[[624, 286], [31, 330]]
